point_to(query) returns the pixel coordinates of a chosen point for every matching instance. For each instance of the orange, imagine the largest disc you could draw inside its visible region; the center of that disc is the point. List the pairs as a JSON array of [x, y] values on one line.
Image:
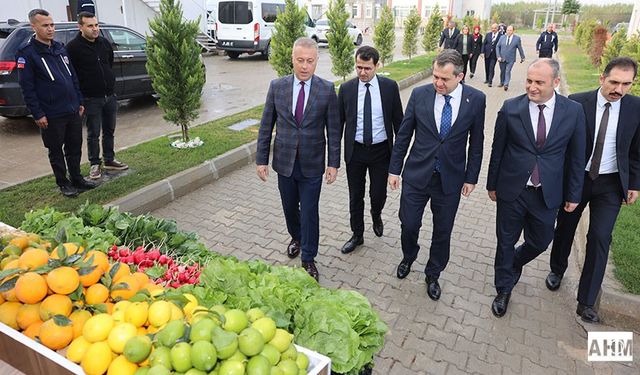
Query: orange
[[27, 315], [79, 317], [131, 289], [92, 277], [10, 295], [55, 304], [142, 278], [21, 241], [55, 336], [12, 264], [123, 270], [33, 258], [9, 312], [31, 288], [96, 293], [1, 299], [99, 258], [63, 280], [33, 330]]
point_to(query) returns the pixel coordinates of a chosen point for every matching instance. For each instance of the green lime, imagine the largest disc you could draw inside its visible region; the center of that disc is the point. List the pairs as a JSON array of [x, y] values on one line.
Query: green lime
[[258, 365], [170, 333], [271, 353], [159, 370], [181, 356], [137, 348], [161, 356], [202, 330], [250, 341], [231, 368], [266, 326], [235, 320], [302, 361], [203, 355]]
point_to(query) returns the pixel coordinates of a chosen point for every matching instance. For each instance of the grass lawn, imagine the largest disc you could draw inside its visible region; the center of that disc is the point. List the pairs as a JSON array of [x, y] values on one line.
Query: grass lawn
[[154, 160], [625, 247]]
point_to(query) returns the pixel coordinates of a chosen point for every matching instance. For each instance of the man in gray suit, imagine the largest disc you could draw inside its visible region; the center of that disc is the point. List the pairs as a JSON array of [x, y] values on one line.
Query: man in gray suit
[[304, 106], [506, 52]]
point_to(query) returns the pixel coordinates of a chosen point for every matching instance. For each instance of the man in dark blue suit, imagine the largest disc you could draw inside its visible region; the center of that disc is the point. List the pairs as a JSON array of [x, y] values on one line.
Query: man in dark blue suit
[[539, 139], [489, 50], [441, 117], [612, 178], [304, 107]]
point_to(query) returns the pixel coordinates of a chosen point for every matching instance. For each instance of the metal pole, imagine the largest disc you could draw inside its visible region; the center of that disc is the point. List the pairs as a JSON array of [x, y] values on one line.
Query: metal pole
[[555, 5], [546, 17], [124, 13]]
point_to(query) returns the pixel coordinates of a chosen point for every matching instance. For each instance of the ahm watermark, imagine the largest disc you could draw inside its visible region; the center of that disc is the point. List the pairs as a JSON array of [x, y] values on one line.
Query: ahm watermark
[[610, 346]]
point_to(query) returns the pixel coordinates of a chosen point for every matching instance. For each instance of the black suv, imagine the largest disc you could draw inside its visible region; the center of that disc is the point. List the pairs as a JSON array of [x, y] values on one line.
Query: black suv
[[129, 61]]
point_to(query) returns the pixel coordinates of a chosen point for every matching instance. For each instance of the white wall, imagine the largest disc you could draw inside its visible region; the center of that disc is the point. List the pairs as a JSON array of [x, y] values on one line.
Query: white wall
[[19, 9], [634, 23]]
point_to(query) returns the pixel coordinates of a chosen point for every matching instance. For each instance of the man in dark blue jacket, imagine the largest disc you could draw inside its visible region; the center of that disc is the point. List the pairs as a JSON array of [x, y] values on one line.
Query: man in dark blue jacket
[[51, 92], [547, 43]]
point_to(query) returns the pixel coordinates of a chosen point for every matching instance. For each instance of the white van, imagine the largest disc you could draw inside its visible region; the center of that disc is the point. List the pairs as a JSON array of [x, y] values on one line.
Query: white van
[[246, 26]]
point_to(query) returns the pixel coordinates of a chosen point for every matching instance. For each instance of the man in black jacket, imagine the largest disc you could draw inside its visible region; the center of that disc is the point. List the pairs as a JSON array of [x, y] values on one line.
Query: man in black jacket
[[50, 89], [547, 43], [449, 36], [92, 57]]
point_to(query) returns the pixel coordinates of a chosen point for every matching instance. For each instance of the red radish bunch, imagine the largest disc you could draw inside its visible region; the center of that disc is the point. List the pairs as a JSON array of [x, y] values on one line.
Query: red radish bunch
[[175, 275]]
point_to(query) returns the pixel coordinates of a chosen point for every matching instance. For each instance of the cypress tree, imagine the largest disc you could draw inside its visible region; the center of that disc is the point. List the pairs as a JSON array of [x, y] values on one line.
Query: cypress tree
[[173, 62], [289, 26], [410, 40], [384, 37], [340, 44], [432, 31]]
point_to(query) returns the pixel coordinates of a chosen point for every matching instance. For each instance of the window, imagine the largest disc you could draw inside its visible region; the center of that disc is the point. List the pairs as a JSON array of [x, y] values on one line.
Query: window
[[235, 12], [471, 12], [369, 11], [270, 11], [355, 11], [125, 40]]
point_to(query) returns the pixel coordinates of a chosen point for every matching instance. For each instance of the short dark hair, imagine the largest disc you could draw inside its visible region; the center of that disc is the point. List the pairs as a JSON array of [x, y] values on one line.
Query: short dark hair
[[37, 12], [450, 56], [84, 14], [624, 63], [367, 53]]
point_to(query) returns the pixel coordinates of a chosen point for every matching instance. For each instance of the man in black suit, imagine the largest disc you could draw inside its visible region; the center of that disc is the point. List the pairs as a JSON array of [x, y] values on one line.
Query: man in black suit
[[441, 118], [612, 177], [305, 108], [449, 37], [370, 107], [489, 50], [526, 170]]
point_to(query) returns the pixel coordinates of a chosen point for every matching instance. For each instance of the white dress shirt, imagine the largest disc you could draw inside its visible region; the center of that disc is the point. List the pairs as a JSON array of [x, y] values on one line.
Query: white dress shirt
[[609, 161], [438, 105], [296, 90], [534, 114], [379, 134]]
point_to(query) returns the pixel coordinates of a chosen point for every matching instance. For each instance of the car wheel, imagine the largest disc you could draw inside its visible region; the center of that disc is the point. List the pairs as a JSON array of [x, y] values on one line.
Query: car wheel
[[233, 54], [267, 52], [358, 40]]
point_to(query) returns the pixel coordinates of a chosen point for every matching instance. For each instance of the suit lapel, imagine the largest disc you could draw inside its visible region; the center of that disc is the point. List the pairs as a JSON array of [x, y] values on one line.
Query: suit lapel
[[313, 95], [558, 115], [462, 111], [622, 123], [590, 113], [431, 119], [288, 96], [526, 119]]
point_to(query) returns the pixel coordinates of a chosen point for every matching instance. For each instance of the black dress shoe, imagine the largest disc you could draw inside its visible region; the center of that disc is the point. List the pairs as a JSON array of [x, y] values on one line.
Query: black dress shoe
[[378, 225], [311, 269], [506, 87], [500, 304], [471, 75], [83, 184], [587, 314], [293, 250], [433, 288], [403, 269], [68, 191], [553, 281], [355, 241], [489, 84]]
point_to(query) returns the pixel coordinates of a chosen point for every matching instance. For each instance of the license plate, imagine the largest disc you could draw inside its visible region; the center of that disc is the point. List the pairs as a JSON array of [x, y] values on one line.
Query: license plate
[[227, 44]]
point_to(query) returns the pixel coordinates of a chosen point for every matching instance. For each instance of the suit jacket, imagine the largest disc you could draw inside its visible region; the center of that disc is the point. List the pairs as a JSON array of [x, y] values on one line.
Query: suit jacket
[[460, 164], [348, 109], [489, 46], [459, 45], [514, 152], [477, 45], [449, 41], [508, 52], [307, 142], [627, 136]]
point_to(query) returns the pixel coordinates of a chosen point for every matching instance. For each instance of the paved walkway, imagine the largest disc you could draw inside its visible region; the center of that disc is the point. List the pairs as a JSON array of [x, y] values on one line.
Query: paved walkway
[[540, 334]]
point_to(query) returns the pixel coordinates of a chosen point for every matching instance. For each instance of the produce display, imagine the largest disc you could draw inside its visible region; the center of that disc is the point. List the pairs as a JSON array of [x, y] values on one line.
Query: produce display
[[96, 282]]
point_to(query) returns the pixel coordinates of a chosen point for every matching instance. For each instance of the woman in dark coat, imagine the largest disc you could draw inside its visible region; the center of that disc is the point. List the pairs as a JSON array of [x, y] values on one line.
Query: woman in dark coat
[[476, 49]]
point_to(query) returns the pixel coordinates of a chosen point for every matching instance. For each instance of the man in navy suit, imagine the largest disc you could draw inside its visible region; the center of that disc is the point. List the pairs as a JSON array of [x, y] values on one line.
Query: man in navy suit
[[371, 109], [506, 52], [539, 139], [612, 178], [489, 50], [449, 36], [304, 107], [441, 164]]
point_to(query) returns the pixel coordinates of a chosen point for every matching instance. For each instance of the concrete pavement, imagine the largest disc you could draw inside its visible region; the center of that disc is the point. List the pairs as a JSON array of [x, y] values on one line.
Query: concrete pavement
[[241, 216]]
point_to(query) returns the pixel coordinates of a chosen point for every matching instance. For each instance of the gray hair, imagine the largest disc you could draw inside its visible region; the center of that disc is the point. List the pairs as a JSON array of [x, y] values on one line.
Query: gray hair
[[450, 56], [554, 64], [305, 42], [37, 12]]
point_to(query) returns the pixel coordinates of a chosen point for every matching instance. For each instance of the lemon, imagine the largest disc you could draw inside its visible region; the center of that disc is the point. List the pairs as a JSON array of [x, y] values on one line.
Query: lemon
[[290, 353], [159, 313], [235, 320], [120, 366], [137, 313], [176, 312], [288, 367], [302, 361], [191, 305], [281, 340], [79, 318], [97, 328], [258, 365], [77, 349], [255, 314], [250, 341], [137, 348], [118, 316], [119, 336], [266, 326], [271, 353], [121, 305], [97, 358], [229, 367]]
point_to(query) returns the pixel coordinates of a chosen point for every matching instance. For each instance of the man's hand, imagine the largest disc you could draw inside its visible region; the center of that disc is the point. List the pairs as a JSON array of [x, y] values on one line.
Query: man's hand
[[81, 110], [492, 195], [499, 59], [467, 189], [331, 174], [632, 195], [394, 182], [42, 122], [263, 172], [569, 206]]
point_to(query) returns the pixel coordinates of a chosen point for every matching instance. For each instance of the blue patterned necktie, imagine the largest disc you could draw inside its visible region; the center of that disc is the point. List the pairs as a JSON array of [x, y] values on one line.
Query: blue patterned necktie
[[445, 124]]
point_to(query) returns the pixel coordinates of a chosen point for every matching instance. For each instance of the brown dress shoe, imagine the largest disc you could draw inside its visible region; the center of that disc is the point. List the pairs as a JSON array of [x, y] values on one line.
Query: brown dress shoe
[[311, 269], [293, 250]]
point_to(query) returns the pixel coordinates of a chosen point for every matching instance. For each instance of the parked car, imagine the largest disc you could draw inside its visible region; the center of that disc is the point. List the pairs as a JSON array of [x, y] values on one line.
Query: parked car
[[129, 65], [246, 26], [322, 27]]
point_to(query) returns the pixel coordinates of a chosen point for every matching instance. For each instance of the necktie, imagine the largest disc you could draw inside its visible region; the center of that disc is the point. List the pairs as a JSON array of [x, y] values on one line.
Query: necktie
[[300, 105], [594, 170], [450, 33], [541, 137], [508, 40], [493, 38], [368, 123], [445, 124]]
